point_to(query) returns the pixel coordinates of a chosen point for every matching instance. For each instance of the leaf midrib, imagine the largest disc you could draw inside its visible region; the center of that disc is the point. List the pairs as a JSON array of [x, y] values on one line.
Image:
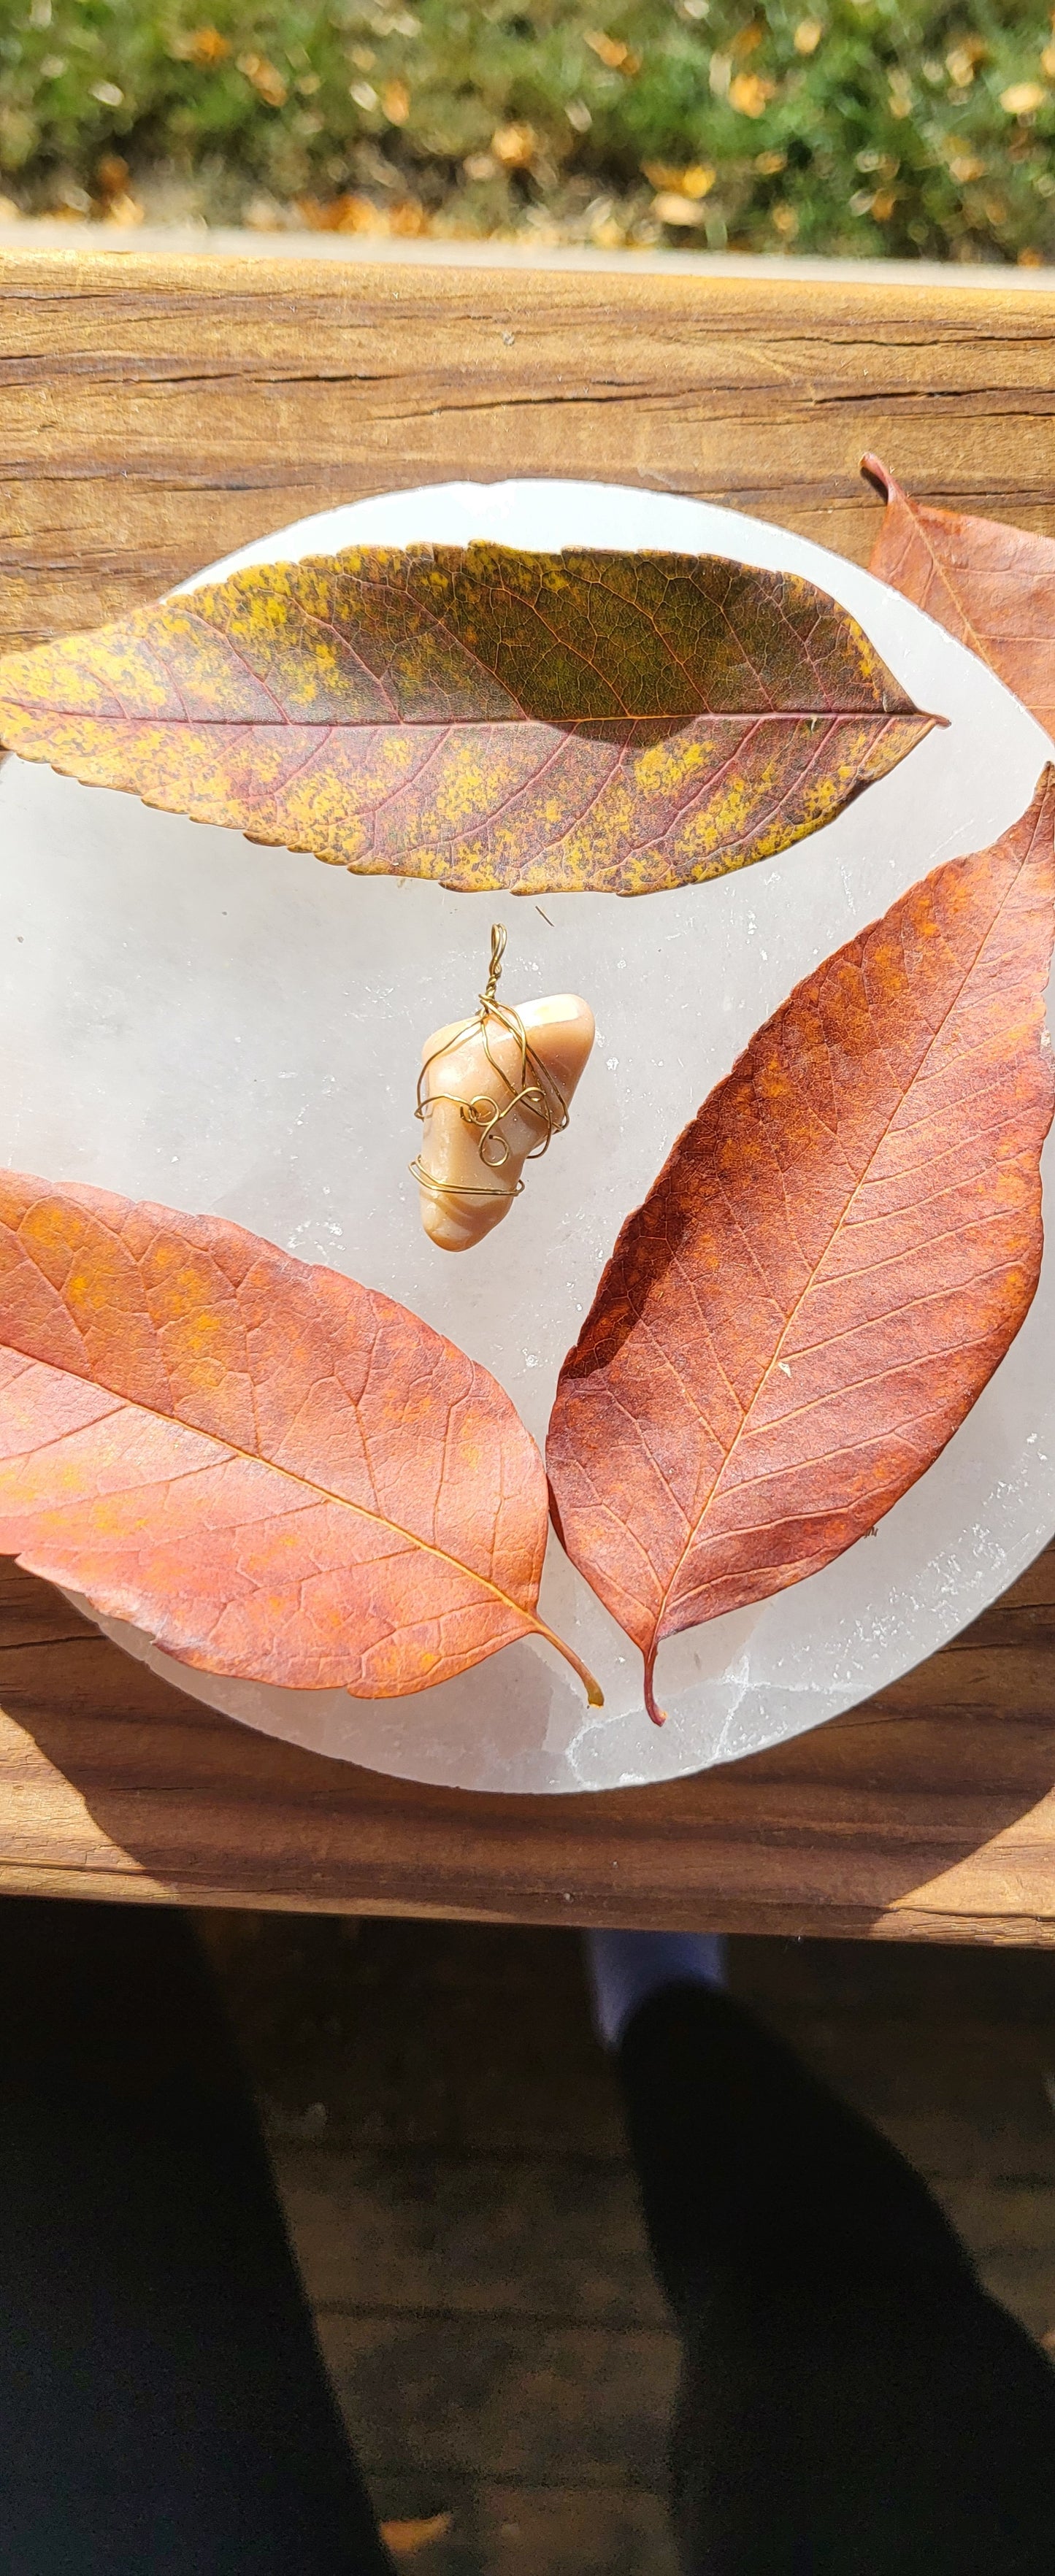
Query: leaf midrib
[[403, 724], [254, 1457]]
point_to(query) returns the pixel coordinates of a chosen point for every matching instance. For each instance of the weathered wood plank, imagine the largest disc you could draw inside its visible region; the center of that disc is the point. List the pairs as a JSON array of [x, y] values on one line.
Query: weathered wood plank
[[929, 1812], [550, 2240], [156, 410], [152, 410], [576, 2405], [544, 2237]]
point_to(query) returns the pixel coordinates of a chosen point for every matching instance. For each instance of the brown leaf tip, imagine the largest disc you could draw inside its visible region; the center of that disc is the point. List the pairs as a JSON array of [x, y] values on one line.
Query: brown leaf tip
[[875, 472]]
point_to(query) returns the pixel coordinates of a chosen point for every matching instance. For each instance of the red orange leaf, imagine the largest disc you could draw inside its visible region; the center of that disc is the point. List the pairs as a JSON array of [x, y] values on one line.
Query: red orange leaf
[[481, 716], [991, 585], [830, 1265], [279, 1474]]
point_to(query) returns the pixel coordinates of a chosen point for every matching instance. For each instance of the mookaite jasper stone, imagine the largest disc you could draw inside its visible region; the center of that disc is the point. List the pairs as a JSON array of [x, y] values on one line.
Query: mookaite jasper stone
[[462, 1089]]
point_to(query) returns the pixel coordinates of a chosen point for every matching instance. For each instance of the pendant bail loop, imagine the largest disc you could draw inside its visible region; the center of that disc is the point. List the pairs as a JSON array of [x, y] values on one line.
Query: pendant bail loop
[[498, 950]]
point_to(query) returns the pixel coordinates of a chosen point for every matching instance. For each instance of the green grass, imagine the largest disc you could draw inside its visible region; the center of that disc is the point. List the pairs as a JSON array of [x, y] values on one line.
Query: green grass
[[869, 127]]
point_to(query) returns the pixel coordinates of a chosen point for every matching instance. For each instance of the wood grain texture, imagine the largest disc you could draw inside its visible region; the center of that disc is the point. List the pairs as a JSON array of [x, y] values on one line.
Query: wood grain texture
[[156, 413], [926, 1814]]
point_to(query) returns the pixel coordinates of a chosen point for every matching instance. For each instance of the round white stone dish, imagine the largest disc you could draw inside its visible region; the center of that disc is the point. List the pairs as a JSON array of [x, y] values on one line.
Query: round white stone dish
[[218, 1026]]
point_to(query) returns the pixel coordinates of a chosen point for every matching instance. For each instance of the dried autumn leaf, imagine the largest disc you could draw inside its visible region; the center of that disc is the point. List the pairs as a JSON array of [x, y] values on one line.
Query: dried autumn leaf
[[407, 2539], [485, 717], [992, 586], [277, 1473], [836, 1255]]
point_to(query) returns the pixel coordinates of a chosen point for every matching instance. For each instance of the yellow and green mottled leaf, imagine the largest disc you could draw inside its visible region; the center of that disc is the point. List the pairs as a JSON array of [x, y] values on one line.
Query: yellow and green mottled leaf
[[543, 723]]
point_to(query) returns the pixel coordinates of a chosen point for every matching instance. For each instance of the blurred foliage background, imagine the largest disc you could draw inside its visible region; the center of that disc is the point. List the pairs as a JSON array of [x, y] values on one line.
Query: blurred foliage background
[[863, 127]]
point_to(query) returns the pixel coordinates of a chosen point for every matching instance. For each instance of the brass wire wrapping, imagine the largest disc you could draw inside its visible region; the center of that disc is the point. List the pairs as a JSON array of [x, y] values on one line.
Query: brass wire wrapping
[[535, 1091]]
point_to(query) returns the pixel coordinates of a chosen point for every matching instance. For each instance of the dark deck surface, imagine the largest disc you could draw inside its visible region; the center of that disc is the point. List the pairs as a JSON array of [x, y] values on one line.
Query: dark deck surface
[[447, 2140]]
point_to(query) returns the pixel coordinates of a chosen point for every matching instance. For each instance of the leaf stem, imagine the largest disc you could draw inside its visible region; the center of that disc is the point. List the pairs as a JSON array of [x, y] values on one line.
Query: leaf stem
[[594, 1693], [658, 1715]]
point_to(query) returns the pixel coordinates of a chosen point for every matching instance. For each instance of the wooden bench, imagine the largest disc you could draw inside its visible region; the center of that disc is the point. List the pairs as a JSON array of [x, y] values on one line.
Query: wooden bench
[[155, 413]]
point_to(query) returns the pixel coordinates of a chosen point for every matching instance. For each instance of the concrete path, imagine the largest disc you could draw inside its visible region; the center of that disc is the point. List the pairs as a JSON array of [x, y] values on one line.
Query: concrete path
[[228, 242]]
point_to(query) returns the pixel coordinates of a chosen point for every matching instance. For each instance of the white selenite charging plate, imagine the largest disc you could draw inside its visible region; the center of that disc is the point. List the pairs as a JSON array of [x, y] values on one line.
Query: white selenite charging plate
[[191, 1019]]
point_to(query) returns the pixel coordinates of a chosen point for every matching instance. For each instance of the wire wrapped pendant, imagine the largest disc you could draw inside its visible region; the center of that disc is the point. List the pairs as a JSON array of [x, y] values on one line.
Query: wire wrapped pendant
[[492, 1093]]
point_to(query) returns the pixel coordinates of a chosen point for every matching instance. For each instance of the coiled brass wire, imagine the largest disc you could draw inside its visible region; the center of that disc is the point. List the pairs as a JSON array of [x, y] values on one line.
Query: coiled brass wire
[[533, 1089]]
